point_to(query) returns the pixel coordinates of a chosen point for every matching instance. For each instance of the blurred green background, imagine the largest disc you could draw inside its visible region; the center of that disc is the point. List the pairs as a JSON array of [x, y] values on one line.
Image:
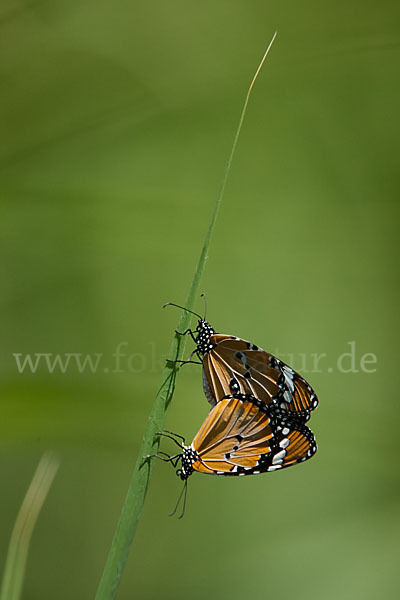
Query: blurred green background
[[117, 120]]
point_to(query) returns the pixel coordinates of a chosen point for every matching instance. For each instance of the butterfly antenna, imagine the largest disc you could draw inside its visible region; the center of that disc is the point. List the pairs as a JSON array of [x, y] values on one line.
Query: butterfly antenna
[[205, 305], [182, 307], [184, 501], [183, 491]]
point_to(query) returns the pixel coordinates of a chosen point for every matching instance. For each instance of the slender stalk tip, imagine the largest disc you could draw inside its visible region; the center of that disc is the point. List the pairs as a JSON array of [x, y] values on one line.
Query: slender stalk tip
[[132, 508]]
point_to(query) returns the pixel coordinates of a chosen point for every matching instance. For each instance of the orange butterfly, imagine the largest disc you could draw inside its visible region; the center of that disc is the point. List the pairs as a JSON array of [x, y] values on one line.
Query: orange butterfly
[[240, 437], [234, 366]]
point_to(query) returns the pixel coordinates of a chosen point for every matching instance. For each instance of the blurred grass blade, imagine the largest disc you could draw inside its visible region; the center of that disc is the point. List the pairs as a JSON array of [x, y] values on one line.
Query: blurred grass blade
[[133, 505], [14, 570]]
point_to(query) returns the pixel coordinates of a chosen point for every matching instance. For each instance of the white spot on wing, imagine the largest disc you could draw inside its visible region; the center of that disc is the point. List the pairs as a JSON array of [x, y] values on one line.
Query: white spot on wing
[[278, 457], [288, 396], [289, 373]]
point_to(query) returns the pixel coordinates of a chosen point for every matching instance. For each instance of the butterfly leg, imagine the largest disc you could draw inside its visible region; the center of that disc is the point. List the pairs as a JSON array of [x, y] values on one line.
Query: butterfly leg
[[175, 434], [177, 459], [185, 333], [172, 438], [186, 362], [169, 458]]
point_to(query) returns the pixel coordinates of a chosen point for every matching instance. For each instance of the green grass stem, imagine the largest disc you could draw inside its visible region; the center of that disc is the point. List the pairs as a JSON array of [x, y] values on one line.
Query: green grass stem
[[133, 505]]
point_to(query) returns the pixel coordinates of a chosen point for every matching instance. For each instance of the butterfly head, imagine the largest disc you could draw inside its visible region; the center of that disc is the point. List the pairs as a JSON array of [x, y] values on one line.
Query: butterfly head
[[204, 331], [189, 456]]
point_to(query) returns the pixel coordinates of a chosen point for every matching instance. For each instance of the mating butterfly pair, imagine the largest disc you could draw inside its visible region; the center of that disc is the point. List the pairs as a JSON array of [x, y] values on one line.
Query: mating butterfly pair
[[260, 407]]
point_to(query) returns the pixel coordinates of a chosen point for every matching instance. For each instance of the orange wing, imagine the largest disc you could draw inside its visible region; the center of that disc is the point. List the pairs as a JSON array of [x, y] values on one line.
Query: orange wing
[[235, 366], [238, 438]]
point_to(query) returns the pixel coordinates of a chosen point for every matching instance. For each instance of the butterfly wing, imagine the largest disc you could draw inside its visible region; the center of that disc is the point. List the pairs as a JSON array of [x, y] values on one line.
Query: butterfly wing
[[238, 438], [235, 366], [232, 367]]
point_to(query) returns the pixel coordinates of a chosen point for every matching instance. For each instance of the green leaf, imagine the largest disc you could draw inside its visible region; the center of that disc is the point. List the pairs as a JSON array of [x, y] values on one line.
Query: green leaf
[[14, 570]]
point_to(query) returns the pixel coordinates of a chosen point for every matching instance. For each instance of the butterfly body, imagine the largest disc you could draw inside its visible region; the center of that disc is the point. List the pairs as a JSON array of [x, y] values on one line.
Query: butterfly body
[[203, 340]]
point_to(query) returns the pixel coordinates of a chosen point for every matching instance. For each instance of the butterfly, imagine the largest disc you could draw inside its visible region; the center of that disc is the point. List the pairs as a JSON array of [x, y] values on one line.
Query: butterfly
[[234, 366], [240, 437]]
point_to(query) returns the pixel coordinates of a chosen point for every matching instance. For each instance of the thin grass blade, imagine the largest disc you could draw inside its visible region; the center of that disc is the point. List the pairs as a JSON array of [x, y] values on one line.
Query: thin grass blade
[[133, 505]]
